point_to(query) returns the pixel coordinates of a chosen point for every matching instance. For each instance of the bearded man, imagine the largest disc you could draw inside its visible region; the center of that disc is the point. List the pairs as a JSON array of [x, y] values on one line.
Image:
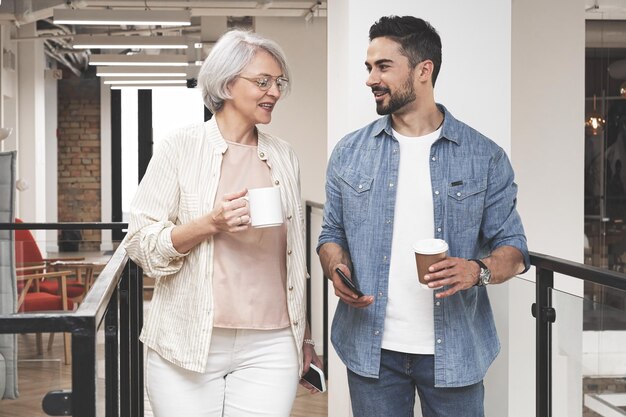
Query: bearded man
[[417, 173]]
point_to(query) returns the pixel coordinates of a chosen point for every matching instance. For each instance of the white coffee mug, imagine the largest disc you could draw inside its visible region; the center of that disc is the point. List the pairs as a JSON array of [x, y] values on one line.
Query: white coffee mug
[[266, 209]]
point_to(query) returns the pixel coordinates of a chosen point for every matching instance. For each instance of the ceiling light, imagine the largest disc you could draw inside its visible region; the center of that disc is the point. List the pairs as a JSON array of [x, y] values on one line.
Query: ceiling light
[[122, 17], [129, 42], [594, 122], [130, 81], [141, 71], [145, 86], [149, 60]]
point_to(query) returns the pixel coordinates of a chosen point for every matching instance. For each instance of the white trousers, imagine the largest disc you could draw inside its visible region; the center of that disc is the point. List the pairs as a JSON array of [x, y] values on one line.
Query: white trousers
[[250, 373]]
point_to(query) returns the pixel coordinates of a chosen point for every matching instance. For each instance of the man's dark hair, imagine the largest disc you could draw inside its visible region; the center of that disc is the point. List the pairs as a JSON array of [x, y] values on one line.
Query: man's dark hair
[[417, 38]]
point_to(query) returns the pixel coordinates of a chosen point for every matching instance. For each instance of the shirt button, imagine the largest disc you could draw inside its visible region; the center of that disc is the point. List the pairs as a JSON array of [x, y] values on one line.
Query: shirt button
[[391, 184], [436, 192], [376, 332], [395, 150], [388, 221], [360, 186], [276, 182], [262, 154], [291, 288], [385, 258], [438, 340], [295, 323], [437, 303], [439, 229], [289, 217], [434, 158], [289, 252], [380, 294], [458, 194]]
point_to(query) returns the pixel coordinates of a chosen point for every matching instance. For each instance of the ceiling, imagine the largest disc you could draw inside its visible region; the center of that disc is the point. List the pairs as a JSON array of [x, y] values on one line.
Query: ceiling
[[209, 18]]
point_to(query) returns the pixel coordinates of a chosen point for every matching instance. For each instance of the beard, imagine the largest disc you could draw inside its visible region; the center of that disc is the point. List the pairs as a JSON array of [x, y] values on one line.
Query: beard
[[398, 99]]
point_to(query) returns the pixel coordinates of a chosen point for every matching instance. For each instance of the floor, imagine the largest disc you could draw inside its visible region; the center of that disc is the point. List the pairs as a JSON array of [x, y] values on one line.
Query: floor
[[40, 374]]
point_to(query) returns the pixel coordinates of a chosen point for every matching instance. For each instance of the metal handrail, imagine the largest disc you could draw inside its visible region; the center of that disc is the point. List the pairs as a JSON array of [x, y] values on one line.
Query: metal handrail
[[545, 314], [576, 270], [115, 304], [310, 205], [64, 226]]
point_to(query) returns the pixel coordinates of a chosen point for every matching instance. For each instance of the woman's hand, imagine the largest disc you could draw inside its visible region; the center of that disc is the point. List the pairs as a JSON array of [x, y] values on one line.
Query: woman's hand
[[309, 356], [232, 214]]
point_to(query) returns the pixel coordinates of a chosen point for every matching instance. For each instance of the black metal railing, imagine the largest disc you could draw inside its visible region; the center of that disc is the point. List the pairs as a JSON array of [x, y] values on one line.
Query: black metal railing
[[545, 314], [114, 304], [310, 205]]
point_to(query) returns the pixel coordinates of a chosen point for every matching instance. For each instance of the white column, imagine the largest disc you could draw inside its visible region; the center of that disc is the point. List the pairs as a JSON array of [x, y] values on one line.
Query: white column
[[340, 68], [105, 165], [32, 132], [547, 132], [474, 84], [51, 149]]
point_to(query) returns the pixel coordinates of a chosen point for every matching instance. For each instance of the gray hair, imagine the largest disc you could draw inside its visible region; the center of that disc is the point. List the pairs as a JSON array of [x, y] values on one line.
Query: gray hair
[[226, 61]]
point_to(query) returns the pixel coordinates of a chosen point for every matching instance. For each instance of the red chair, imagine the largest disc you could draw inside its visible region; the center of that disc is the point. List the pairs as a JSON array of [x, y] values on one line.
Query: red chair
[[39, 288], [32, 300], [28, 255]]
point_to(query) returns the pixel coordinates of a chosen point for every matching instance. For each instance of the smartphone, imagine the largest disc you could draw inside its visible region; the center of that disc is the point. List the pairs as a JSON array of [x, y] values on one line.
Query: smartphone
[[315, 377], [349, 283]]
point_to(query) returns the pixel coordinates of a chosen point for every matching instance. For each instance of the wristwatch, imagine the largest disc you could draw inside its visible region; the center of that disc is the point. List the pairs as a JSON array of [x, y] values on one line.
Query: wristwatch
[[485, 274]]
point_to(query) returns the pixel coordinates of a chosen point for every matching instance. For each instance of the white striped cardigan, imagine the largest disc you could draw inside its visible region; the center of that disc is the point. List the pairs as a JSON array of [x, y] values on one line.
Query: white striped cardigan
[[180, 184]]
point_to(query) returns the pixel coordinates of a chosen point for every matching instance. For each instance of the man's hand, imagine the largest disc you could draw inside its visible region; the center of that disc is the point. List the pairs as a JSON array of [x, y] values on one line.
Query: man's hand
[[344, 293], [461, 274], [456, 273]]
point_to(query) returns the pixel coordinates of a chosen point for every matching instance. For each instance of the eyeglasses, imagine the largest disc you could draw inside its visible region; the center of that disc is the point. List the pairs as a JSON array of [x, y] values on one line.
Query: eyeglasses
[[266, 82]]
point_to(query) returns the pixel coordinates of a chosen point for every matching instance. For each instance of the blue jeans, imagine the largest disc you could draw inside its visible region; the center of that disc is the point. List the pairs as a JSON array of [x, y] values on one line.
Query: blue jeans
[[393, 393]]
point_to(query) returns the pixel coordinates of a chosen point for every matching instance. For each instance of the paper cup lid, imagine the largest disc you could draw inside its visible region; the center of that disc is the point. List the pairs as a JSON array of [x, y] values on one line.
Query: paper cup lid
[[430, 246]]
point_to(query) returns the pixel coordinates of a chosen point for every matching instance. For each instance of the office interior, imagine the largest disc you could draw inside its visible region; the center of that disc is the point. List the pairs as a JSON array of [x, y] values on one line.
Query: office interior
[[546, 80]]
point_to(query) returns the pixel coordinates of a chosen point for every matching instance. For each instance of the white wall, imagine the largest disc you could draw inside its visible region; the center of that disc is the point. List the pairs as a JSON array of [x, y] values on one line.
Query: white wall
[[548, 157], [300, 118], [511, 72]]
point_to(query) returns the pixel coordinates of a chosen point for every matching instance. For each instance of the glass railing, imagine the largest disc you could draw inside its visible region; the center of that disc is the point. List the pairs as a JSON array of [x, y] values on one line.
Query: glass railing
[[516, 330], [590, 371], [579, 351], [89, 297]]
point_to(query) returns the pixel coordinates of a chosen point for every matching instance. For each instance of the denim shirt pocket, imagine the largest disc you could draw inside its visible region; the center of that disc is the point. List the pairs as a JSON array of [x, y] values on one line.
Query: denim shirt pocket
[[466, 202], [356, 195]]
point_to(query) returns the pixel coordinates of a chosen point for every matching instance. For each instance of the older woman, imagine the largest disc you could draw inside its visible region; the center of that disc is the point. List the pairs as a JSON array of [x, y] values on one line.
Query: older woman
[[227, 332]]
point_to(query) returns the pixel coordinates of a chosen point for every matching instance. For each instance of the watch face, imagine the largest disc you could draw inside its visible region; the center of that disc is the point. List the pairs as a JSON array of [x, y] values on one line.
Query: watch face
[[485, 276]]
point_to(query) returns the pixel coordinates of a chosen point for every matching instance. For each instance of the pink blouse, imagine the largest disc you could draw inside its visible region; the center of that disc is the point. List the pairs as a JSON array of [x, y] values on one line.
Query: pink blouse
[[250, 266]]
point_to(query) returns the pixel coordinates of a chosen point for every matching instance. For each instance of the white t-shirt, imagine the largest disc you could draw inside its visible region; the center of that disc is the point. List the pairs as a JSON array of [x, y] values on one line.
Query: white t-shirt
[[409, 326]]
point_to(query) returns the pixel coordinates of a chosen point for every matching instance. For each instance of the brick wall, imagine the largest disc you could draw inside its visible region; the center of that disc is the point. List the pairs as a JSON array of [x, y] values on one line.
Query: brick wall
[[79, 155]]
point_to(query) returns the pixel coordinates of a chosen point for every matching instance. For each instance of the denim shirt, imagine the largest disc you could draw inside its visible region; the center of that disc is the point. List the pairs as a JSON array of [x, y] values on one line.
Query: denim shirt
[[474, 198]]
